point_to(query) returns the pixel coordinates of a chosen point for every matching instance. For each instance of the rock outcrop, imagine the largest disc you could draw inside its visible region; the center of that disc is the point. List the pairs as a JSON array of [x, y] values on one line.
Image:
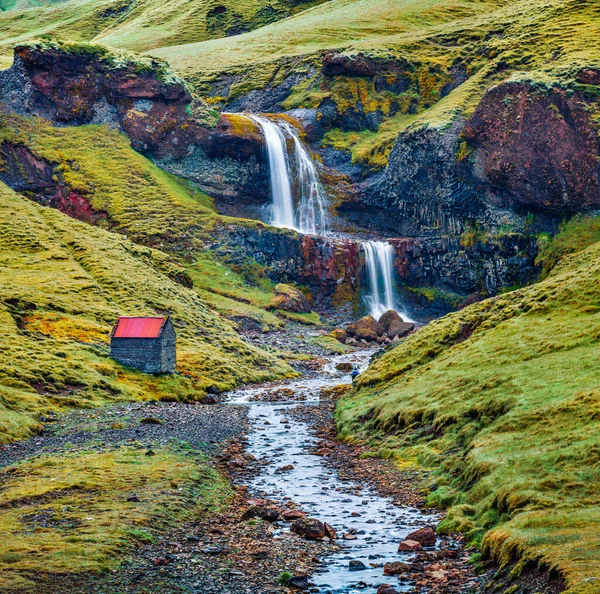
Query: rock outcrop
[[534, 148], [290, 299], [74, 84]]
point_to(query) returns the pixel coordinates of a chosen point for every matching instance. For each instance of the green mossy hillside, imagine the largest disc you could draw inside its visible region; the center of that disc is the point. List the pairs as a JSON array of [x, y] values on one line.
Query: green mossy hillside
[[138, 200], [62, 285], [502, 399], [137, 26], [67, 515], [450, 52]]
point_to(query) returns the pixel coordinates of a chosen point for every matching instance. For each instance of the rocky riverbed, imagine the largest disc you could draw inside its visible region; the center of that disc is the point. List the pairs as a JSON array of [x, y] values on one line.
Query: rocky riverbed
[[305, 512]]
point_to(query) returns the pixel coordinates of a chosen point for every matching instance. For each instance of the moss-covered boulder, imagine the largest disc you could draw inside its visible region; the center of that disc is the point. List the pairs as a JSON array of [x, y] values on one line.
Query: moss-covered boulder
[[290, 299], [366, 328]]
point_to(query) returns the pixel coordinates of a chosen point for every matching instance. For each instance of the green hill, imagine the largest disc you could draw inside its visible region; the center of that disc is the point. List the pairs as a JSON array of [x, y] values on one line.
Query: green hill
[[65, 282], [470, 45], [503, 399], [137, 26]]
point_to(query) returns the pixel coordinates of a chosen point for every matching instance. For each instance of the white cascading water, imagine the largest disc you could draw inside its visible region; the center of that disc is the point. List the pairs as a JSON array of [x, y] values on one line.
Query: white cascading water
[[379, 263], [311, 214], [281, 187]]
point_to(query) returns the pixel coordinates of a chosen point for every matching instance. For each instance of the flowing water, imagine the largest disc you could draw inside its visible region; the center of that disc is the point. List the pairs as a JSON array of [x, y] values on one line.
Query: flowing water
[[281, 187], [379, 264], [312, 215], [280, 439], [298, 199]]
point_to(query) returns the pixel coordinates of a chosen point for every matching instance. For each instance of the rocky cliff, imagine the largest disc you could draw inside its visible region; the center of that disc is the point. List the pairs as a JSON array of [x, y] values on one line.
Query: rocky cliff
[[74, 84]]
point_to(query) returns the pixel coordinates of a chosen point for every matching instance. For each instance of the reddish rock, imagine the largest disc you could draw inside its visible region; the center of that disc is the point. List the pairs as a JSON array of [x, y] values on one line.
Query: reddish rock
[[425, 536], [289, 515], [323, 452], [309, 528], [366, 328], [386, 589], [534, 148], [589, 76], [285, 468], [330, 531], [409, 546]]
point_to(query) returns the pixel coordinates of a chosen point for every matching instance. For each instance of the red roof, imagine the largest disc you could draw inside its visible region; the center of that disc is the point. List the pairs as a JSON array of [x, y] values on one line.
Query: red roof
[[138, 327]]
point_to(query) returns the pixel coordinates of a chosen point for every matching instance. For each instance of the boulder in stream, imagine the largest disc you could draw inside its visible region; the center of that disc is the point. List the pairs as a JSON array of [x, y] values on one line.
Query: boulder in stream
[[366, 328], [425, 536], [309, 528], [409, 546]]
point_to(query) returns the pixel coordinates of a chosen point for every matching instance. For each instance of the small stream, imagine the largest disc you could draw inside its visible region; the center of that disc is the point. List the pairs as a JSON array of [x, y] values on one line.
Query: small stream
[[276, 437]]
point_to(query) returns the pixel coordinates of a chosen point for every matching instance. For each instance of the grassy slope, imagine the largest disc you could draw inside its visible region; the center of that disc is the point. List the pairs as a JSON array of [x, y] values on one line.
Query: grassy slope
[[67, 514], [546, 40], [136, 26], [63, 284], [147, 205], [509, 415]]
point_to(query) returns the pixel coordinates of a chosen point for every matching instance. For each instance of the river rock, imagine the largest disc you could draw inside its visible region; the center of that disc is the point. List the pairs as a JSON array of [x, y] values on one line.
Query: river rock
[[399, 329], [425, 536], [344, 366], [396, 568], [330, 532], [289, 515], [366, 328], [409, 546], [339, 334], [300, 582], [290, 299], [269, 514], [355, 565], [309, 528], [386, 589], [387, 319]]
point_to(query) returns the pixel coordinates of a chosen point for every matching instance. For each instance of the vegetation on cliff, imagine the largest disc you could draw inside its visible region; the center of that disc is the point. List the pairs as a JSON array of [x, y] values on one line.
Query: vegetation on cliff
[[449, 54], [138, 26], [502, 398]]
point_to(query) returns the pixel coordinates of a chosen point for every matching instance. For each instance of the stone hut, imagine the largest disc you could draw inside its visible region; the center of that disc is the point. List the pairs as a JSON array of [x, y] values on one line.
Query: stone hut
[[148, 344]]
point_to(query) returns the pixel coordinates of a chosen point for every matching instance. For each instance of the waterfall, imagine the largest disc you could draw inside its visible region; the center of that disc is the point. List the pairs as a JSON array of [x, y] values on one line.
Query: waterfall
[[310, 215], [281, 187], [379, 263]]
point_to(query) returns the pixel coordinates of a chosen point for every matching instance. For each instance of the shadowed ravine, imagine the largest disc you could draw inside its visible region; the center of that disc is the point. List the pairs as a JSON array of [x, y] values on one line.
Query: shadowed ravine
[[279, 439]]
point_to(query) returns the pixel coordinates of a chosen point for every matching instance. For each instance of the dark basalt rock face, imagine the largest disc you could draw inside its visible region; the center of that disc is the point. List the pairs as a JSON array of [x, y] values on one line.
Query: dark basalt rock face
[[420, 192], [524, 153]]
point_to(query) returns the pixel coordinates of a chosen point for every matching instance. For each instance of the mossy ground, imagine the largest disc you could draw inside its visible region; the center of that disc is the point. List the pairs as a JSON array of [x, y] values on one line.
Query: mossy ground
[[137, 26], [68, 514], [148, 206], [503, 398]]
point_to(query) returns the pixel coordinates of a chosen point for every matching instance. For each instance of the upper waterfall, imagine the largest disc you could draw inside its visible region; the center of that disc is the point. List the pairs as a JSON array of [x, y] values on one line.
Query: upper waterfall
[[298, 198], [281, 187]]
